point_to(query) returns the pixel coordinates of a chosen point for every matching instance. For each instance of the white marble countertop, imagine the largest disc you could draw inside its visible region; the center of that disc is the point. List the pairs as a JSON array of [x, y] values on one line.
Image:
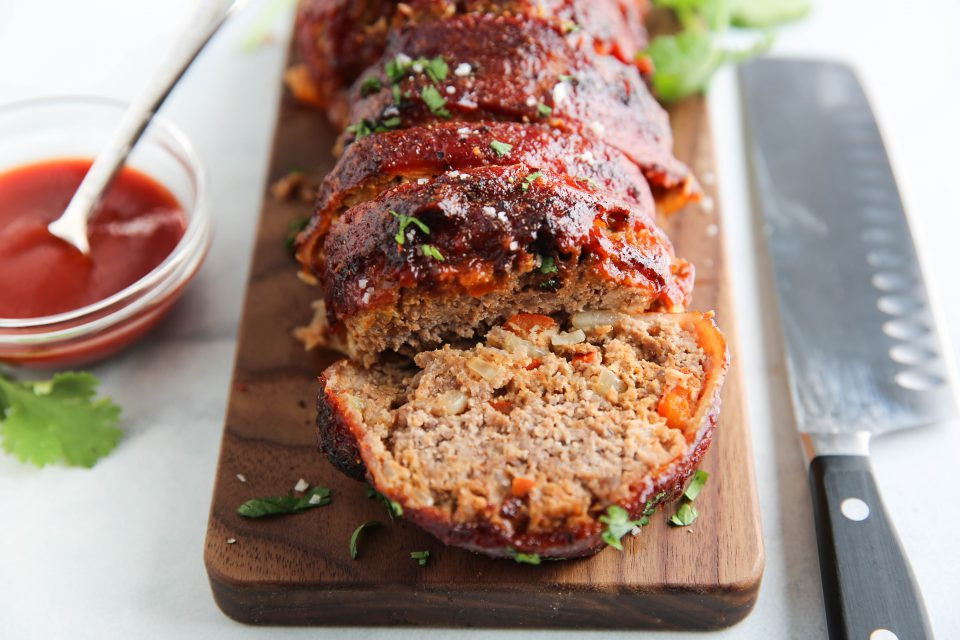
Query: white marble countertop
[[116, 552]]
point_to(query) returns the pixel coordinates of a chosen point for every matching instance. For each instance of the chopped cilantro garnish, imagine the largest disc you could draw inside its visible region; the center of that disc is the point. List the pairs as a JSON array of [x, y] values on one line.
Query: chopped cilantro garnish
[[370, 85], [693, 489], [618, 524], [548, 265], [406, 221], [397, 94], [397, 68], [501, 148], [543, 110], [684, 516], [394, 510], [566, 77], [57, 420], [523, 558], [571, 27], [530, 179], [360, 129], [421, 557], [431, 252], [388, 124], [436, 69], [355, 538], [434, 101], [280, 505]]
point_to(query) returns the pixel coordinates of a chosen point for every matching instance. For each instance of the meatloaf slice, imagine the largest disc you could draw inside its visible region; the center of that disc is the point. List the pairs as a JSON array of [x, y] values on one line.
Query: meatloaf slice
[[377, 162], [429, 263], [521, 69], [338, 39], [520, 443]]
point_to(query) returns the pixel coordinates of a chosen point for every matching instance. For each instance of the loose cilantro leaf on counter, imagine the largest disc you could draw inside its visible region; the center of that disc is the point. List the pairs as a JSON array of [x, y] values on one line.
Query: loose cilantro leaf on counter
[[57, 420], [406, 221], [421, 557], [281, 505], [618, 524], [685, 515], [523, 558], [355, 538], [500, 148], [696, 485], [394, 510]]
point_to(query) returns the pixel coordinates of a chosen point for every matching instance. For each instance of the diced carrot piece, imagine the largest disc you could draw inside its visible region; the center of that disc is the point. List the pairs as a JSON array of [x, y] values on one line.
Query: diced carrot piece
[[585, 358], [525, 322], [533, 365], [522, 486], [675, 406], [503, 406]]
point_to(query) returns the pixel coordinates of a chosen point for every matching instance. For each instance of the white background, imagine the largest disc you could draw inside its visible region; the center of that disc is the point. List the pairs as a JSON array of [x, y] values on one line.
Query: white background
[[116, 552]]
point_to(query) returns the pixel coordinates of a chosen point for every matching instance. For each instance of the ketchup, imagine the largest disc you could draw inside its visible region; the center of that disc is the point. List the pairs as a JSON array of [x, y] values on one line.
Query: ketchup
[[135, 227]]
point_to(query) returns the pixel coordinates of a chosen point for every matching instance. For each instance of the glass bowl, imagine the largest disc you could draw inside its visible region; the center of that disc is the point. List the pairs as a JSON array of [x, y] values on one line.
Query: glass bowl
[[73, 127]]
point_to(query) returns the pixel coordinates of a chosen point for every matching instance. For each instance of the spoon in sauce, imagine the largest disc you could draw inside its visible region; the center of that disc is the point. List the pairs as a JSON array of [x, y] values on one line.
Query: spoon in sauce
[[71, 226]]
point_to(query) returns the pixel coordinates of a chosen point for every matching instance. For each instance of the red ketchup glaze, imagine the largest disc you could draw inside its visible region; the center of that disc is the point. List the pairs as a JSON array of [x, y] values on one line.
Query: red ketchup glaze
[[135, 227]]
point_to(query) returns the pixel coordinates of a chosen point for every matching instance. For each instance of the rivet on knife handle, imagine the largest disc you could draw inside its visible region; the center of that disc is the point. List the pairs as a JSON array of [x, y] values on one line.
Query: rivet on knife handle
[[868, 588]]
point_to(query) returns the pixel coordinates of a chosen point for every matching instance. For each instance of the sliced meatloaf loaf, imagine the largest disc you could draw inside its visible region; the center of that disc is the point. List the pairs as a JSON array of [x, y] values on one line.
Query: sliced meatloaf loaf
[[338, 39], [481, 67], [377, 162], [521, 443], [445, 258]]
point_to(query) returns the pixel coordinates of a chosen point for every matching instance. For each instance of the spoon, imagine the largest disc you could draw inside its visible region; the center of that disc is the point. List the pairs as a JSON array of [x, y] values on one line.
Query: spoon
[[71, 226]]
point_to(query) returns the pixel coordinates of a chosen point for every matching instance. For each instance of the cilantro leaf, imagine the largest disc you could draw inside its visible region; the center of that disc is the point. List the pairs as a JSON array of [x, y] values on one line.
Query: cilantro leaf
[[431, 252], [762, 14], [544, 110], [618, 524], [394, 509], [548, 265], [523, 558], [57, 420], [686, 514], [421, 557], [436, 69], [281, 505], [360, 129], [434, 101], [696, 485], [371, 84], [406, 221], [355, 538], [500, 148], [529, 179]]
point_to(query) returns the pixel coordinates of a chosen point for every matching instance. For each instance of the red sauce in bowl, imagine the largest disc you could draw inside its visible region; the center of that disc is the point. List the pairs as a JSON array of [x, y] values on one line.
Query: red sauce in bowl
[[136, 226]]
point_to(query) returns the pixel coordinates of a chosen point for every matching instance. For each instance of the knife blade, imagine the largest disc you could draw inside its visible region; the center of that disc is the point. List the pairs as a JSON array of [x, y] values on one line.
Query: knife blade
[[862, 352]]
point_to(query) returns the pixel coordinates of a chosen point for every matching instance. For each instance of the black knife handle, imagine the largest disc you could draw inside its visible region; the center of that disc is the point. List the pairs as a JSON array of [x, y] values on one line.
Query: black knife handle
[[867, 582]]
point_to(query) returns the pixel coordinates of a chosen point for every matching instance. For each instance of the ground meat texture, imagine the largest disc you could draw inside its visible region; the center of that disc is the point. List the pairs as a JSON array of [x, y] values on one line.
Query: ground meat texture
[[380, 161], [497, 239], [521, 442], [518, 63], [338, 39]]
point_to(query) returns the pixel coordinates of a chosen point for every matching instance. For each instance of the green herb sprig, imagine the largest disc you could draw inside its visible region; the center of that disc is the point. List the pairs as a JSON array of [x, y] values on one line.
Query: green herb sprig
[[355, 538], [686, 513], [406, 221], [283, 505], [394, 509], [523, 558], [422, 557]]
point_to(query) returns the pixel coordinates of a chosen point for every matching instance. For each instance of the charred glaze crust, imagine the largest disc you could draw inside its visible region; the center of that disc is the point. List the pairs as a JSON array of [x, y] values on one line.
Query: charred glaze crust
[[517, 64], [338, 39], [438, 147], [483, 536], [489, 230]]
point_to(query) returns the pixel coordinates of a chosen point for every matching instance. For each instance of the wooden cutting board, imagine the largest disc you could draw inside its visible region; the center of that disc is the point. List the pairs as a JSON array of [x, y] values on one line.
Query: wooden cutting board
[[297, 569]]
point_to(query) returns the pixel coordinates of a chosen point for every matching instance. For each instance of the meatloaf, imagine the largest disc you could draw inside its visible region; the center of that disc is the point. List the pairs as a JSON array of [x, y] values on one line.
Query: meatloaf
[[338, 39], [445, 258], [522, 442], [522, 69]]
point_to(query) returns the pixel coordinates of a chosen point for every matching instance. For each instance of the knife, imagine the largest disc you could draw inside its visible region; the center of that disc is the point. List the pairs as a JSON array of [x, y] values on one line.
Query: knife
[[862, 351]]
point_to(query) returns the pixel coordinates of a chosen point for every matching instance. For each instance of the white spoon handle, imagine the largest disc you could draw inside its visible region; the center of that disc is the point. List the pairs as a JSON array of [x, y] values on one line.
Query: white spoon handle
[[72, 224]]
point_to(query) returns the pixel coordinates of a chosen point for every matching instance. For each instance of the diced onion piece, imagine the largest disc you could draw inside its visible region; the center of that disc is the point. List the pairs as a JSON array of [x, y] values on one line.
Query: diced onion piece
[[570, 337], [609, 381], [484, 369], [450, 403], [516, 344], [591, 319]]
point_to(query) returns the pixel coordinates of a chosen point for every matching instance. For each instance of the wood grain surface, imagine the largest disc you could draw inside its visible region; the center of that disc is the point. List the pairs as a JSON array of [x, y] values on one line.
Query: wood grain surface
[[297, 569]]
